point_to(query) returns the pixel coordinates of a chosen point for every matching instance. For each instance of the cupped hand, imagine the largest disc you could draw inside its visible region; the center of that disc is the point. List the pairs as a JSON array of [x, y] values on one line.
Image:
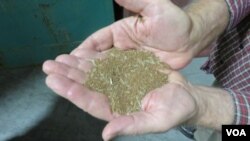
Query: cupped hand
[[66, 76], [161, 27], [162, 108]]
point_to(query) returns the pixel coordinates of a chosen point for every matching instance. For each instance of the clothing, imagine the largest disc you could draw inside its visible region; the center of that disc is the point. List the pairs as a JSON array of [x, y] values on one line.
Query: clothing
[[229, 59]]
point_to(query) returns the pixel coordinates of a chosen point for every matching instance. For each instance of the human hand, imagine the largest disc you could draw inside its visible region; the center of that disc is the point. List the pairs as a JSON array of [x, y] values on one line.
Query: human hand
[[162, 27], [66, 76], [162, 108], [179, 3]]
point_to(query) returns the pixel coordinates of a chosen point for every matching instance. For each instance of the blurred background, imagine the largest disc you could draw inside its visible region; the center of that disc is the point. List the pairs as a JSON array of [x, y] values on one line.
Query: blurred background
[[32, 31]]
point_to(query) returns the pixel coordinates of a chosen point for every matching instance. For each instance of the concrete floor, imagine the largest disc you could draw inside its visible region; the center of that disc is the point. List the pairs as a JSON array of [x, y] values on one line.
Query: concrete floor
[[29, 111]]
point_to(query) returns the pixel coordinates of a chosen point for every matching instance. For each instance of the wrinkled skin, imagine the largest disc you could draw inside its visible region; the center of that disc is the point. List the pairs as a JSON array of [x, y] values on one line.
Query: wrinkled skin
[[162, 28], [162, 108]]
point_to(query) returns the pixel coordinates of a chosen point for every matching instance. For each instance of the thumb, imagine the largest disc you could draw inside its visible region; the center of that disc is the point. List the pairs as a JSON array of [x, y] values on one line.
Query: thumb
[[175, 76], [137, 123], [136, 6]]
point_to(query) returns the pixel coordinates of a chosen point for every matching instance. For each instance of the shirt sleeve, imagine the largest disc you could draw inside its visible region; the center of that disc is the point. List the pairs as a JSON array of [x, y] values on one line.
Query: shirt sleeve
[[242, 106], [238, 10]]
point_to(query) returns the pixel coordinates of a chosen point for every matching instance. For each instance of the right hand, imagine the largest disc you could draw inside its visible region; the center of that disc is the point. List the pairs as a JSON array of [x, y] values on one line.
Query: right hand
[[162, 109], [162, 28]]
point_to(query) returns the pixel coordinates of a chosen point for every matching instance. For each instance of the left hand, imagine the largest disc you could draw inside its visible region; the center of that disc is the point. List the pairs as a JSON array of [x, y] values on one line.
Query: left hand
[[162, 108], [66, 76]]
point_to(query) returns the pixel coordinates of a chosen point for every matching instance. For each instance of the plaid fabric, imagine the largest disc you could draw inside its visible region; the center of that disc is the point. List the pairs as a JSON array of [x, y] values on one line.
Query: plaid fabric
[[239, 9], [229, 59]]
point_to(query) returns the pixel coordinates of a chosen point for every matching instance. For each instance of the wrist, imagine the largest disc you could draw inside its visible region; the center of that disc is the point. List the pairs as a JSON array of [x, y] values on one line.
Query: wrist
[[209, 20], [200, 105], [214, 107]]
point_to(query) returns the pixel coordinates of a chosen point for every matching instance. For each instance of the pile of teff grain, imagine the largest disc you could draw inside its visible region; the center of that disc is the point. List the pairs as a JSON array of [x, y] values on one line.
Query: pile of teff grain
[[125, 77]]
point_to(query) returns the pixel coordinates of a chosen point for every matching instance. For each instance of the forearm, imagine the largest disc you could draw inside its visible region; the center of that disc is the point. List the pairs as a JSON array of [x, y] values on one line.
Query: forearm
[[209, 19], [215, 107]]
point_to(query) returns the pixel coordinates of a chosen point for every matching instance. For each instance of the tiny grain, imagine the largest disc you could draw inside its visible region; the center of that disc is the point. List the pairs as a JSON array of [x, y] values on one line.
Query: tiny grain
[[125, 77]]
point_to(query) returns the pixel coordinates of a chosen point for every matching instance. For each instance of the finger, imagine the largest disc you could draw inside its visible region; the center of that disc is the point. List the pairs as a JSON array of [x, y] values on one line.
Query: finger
[[174, 59], [176, 77], [138, 123], [136, 6], [92, 102], [100, 40], [84, 53], [65, 70], [75, 62]]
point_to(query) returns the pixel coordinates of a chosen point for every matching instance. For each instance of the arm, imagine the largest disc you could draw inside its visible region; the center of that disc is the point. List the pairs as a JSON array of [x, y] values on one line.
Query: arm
[[238, 10], [209, 18], [215, 107]]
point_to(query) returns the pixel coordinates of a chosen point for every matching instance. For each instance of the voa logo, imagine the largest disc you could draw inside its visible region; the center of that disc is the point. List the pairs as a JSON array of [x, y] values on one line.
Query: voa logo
[[236, 132]]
